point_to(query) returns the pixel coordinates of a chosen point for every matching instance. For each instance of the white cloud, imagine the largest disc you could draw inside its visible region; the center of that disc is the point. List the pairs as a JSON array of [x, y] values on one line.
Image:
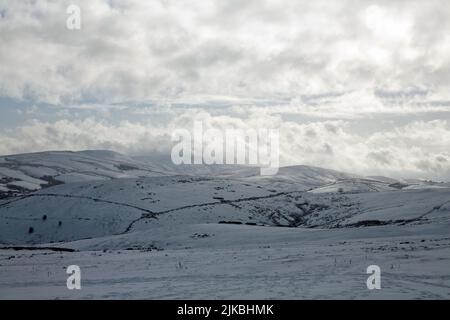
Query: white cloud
[[418, 149], [311, 68], [136, 50]]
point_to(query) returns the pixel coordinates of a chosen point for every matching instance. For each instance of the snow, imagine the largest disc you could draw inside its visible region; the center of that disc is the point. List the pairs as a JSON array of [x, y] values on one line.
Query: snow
[[276, 263], [68, 167], [141, 230], [354, 185], [96, 165], [38, 171], [16, 174], [24, 184]]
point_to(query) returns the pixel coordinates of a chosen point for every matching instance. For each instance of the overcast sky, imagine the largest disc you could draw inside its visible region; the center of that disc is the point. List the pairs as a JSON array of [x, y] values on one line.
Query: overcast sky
[[359, 86]]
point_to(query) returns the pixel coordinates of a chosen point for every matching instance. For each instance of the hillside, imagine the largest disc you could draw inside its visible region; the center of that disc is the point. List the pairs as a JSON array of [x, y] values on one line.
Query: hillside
[[142, 228]]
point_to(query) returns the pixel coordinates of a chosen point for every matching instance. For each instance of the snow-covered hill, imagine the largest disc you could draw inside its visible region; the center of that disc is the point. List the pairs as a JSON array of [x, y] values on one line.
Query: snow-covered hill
[[24, 173], [20, 174], [222, 226], [95, 209]]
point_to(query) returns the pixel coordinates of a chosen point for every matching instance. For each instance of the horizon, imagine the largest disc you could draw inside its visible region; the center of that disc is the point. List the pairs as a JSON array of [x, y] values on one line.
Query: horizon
[[166, 156], [362, 90]]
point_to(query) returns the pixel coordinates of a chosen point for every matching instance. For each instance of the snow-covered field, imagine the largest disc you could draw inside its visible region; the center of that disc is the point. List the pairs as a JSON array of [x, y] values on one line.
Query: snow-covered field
[[231, 261], [143, 230]]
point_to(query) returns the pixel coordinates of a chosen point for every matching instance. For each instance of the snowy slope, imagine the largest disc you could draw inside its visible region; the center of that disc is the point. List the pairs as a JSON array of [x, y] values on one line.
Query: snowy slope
[[245, 262], [22, 173], [355, 185], [145, 230], [94, 209]]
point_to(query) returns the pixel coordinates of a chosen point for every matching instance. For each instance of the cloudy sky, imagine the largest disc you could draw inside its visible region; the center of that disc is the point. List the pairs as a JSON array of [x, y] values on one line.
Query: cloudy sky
[[353, 85]]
